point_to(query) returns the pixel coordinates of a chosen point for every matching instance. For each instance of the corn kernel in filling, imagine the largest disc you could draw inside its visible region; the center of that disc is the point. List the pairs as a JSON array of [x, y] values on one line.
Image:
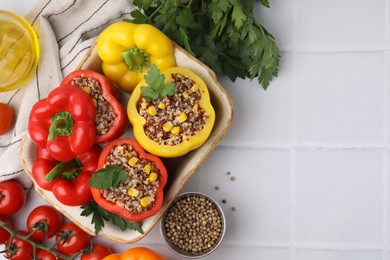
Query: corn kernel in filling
[[138, 193]]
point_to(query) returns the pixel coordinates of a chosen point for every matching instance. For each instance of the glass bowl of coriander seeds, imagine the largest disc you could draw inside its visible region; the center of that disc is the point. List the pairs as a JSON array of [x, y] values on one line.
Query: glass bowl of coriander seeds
[[193, 226]]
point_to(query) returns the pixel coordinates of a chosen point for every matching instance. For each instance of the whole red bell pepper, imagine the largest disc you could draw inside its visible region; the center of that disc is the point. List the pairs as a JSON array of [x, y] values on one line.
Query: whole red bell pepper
[[139, 178], [68, 181], [64, 123], [111, 118]]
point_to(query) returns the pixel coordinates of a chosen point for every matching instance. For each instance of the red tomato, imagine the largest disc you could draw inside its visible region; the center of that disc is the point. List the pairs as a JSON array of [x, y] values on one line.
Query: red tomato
[[41, 213], [23, 249], [12, 197], [7, 116], [45, 255], [98, 252], [4, 235], [79, 241]]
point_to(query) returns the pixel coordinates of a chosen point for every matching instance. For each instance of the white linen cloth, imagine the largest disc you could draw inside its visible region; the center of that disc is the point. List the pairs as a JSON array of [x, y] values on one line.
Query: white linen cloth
[[66, 30]]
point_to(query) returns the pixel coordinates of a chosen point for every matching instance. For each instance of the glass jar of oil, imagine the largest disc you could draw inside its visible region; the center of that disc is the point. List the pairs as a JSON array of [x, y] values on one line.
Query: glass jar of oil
[[19, 51]]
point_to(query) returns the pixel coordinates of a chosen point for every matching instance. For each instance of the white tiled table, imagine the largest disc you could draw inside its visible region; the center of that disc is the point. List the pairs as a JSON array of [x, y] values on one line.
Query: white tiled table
[[310, 156]]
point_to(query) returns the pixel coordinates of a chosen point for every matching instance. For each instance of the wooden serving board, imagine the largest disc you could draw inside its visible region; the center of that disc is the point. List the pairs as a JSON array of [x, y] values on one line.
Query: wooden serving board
[[179, 169]]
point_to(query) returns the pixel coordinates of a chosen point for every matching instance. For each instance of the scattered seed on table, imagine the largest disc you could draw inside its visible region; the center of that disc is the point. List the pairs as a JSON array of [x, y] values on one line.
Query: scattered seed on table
[[216, 187], [234, 208], [193, 224], [232, 178], [228, 173], [224, 201]]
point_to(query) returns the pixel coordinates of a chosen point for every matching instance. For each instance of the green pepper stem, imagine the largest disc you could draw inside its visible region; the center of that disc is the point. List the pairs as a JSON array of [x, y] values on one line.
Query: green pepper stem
[[63, 236], [39, 226], [33, 243], [66, 170], [136, 59], [61, 124]]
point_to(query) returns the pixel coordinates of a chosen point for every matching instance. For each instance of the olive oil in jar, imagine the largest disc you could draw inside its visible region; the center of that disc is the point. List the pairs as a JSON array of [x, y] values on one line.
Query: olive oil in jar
[[19, 51]]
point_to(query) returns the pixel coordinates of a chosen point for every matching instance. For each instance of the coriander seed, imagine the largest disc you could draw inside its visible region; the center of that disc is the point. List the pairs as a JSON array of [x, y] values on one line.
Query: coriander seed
[[194, 225]]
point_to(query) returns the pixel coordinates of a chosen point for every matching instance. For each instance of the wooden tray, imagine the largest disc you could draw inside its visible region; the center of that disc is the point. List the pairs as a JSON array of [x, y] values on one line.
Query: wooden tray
[[179, 169]]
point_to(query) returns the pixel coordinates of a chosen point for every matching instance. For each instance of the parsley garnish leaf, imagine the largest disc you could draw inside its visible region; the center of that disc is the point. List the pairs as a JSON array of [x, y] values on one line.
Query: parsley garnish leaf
[[100, 215], [108, 177], [97, 218], [118, 221], [156, 87], [154, 78], [134, 226], [168, 89], [149, 93]]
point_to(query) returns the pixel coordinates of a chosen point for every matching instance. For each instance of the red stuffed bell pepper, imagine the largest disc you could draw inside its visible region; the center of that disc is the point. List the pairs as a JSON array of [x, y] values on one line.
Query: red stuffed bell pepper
[[64, 123], [68, 181], [111, 118], [140, 194]]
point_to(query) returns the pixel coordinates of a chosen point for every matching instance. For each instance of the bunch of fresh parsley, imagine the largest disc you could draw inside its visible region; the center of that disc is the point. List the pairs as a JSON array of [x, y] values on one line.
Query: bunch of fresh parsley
[[224, 34]]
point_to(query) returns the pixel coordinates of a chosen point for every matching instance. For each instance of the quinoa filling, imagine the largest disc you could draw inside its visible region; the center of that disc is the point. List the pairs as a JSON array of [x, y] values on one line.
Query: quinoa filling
[[172, 119], [138, 192], [105, 115]]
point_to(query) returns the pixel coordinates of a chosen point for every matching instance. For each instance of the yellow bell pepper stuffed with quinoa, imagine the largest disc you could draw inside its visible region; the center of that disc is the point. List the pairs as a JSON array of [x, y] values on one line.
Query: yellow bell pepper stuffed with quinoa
[[127, 50], [171, 112]]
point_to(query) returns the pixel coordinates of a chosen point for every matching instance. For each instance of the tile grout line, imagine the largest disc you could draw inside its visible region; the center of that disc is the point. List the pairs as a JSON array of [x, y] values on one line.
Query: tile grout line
[[385, 195], [292, 203], [294, 133], [308, 246], [309, 146], [338, 247], [386, 83], [328, 49]]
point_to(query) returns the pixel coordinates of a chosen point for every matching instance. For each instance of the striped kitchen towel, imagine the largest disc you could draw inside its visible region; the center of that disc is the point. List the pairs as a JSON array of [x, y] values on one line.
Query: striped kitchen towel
[[66, 30]]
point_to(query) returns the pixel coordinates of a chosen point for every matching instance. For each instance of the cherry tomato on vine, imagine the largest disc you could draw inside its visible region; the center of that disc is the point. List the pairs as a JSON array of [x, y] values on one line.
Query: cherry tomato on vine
[[12, 197], [4, 235], [40, 214], [77, 242], [45, 255], [7, 116], [22, 249], [98, 252]]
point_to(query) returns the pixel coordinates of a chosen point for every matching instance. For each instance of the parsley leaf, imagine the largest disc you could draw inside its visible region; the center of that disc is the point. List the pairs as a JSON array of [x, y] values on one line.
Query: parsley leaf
[[100, 215], [224, 34], [143, 3], [139, 17], [156, 88], [97, 218], [134, 226], [108, 177], [238, 16], [118, 221], [186, 18], [265, 3]]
